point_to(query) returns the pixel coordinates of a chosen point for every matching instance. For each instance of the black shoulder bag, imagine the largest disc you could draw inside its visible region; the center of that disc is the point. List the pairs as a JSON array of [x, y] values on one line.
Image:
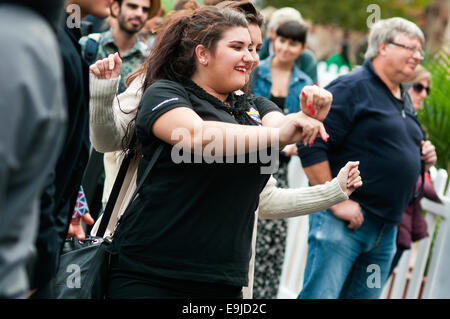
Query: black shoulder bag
[[84, 265]]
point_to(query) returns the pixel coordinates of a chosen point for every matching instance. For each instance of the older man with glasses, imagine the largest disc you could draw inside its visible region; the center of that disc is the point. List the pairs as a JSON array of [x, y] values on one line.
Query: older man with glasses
[[371, 120]]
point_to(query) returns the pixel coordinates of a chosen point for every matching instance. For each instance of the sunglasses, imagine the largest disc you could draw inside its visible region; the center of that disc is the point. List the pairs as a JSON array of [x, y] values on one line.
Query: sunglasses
[[418, 88]]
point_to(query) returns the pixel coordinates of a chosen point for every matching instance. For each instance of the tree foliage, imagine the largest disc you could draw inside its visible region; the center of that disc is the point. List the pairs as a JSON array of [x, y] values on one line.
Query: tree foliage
[[435, 112], [350, 14]]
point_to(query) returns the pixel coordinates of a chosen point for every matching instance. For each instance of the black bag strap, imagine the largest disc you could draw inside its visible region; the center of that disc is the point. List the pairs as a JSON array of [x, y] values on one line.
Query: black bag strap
[[116, 187]]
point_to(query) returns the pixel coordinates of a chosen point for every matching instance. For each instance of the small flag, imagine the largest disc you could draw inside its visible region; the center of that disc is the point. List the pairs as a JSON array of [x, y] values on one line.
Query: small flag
[[81, 206]]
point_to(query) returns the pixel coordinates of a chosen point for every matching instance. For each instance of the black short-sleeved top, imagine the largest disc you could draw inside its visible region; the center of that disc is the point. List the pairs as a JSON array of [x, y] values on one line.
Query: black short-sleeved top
[[191, 221]]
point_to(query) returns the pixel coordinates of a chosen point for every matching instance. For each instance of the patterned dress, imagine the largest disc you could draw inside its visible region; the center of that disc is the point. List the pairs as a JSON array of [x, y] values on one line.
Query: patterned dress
[[271, 241]]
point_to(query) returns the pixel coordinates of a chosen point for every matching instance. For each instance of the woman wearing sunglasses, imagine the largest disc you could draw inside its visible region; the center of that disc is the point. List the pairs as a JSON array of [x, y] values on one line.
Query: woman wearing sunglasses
[[420, 89]]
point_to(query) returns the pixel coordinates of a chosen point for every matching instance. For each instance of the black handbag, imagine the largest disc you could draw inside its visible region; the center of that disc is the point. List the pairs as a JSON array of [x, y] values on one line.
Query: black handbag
[[84, 265], [82, 271]]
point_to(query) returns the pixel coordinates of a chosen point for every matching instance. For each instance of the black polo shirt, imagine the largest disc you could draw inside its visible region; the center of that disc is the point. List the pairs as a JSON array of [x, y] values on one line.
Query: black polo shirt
[[191, 221], [367, 123]]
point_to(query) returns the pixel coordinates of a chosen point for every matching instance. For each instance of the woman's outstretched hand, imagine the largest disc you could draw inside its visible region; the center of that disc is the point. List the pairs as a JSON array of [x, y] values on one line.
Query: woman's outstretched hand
[[107, 68], [349, 178], [315, 102]]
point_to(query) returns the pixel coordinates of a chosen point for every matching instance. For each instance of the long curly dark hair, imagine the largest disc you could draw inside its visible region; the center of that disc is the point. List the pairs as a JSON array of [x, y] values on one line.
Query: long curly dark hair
[[173, 55]]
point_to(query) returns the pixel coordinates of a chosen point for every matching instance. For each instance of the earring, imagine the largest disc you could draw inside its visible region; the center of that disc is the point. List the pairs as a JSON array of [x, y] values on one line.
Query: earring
[[202, 61]]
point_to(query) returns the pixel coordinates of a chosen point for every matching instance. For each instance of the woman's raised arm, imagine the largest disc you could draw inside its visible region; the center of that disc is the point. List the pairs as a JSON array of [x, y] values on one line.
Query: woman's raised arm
[[110, 114]]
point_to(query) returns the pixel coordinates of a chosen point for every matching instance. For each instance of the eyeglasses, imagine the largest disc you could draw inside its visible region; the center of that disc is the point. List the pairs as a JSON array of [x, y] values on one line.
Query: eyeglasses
[[410, 49], [418, 88]]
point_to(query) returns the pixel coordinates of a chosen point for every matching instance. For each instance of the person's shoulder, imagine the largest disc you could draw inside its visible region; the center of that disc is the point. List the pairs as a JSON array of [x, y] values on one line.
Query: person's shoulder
[[265, 48], [308, 55], [163, 95], [262, 104], [299, 75], [354, 86], [266, 42], [260, 100], [18, 13], [31, 28], [263, 68], [68, 39], [353, 80], [142, 47], [97, 37], [165, 84], [32, 38], [165, 89], [265, 63]]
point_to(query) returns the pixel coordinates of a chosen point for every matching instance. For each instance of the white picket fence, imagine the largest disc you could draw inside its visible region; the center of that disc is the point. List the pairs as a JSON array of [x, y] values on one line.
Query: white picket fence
[[409, 279], [327, 74]]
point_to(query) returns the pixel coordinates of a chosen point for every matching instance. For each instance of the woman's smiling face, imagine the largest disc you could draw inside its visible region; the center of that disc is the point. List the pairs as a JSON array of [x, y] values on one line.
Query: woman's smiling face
[[287, 50], [231, 61]]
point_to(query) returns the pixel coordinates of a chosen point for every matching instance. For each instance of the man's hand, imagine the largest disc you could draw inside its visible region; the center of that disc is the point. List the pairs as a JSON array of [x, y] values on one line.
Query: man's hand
[[428, 154], [349, 211], [76, 228]]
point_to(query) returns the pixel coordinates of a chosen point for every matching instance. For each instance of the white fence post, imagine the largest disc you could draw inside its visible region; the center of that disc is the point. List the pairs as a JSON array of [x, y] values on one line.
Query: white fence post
[[438, 279], [401, 276], [417, 276]]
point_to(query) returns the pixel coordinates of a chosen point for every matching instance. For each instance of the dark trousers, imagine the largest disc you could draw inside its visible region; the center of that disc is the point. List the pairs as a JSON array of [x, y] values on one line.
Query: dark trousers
[[125, 285]]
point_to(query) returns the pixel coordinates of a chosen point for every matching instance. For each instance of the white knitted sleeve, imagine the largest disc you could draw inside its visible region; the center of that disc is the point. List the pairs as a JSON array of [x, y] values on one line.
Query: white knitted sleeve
[[291, 202], [110, 115]]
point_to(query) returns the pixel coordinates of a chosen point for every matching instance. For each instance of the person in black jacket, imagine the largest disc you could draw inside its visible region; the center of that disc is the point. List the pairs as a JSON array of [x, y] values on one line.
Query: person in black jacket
[[32, 123], [63, 184]]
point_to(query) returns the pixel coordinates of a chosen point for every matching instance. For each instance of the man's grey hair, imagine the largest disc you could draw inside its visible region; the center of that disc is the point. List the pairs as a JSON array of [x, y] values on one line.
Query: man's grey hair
[[387, 30], [284, 15]]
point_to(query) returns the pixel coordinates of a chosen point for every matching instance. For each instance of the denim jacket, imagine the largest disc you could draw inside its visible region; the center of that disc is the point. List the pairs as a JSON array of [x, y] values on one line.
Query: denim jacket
[[261, 84]]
